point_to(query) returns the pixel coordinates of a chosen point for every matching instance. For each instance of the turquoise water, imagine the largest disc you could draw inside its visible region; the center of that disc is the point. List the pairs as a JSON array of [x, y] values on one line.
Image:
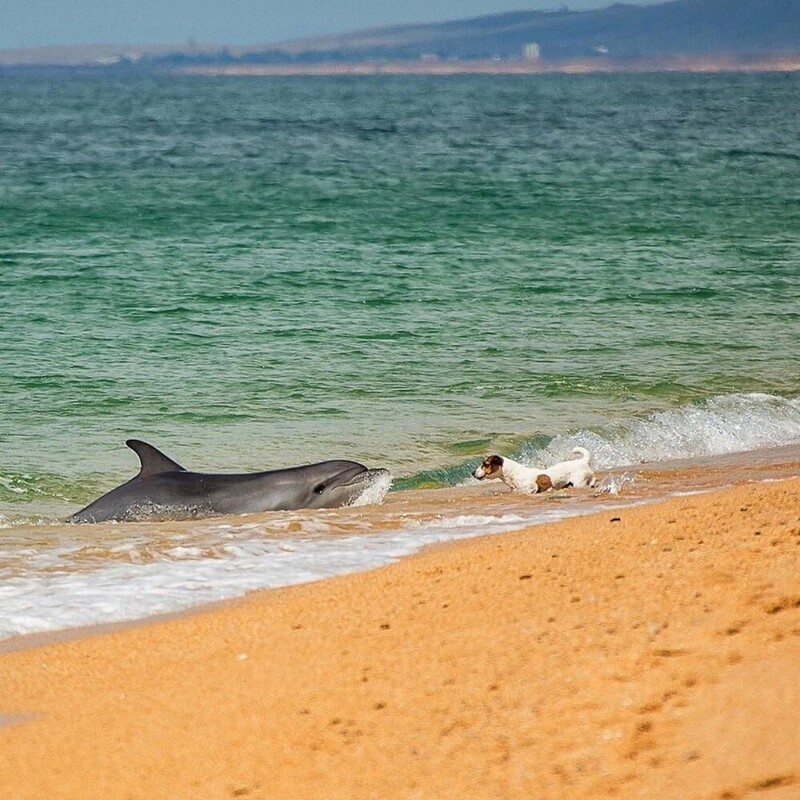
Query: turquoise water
[[258, 272]]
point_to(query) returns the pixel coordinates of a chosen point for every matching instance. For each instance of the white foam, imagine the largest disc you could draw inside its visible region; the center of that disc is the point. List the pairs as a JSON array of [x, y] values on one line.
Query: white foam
[[9, 484], [114, 590], [720, 425], [614, 483], [375, 491]]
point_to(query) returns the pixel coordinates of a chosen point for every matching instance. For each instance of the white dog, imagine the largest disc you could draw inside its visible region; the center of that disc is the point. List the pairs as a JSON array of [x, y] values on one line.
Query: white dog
[[532, 480]]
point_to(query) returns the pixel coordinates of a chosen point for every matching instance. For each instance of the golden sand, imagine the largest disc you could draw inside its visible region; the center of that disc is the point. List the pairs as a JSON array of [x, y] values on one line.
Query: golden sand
[[646, 652]]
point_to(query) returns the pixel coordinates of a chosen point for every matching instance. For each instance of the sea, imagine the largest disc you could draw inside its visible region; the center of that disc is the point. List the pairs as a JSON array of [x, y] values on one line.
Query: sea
[[409, 271]]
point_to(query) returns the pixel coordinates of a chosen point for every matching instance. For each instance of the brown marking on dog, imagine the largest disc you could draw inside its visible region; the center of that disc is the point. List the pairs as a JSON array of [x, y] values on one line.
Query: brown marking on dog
[[543, 483], [490, 466]]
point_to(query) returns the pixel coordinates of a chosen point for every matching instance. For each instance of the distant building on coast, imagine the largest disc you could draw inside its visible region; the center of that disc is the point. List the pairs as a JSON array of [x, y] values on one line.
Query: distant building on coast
[[532, 51]]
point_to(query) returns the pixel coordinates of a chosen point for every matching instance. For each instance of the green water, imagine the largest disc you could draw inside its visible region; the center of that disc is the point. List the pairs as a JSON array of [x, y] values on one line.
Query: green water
[[257, 272]]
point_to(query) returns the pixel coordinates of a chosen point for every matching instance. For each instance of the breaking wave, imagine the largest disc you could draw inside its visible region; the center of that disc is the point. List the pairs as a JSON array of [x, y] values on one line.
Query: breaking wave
[[719, 425], [724, 424]]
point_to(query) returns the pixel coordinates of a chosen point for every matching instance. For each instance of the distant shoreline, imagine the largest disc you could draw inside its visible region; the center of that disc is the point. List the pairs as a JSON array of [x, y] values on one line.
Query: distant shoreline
[[775, 62], [772, 63]]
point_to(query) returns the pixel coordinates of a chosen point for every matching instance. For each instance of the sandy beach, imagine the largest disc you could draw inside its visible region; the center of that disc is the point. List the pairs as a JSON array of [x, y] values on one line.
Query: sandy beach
[[785, 62], [645, 652]]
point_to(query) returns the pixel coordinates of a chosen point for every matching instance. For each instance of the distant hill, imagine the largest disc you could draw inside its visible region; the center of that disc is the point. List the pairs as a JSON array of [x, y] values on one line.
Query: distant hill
[[621, 31], [681, 27]]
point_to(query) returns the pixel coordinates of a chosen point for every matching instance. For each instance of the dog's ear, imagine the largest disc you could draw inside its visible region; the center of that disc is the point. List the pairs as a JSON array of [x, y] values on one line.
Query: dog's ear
[[492, 464], [543, 483]]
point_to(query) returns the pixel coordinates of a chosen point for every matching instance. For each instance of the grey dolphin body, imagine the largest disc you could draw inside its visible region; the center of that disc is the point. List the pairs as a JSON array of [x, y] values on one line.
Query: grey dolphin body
[[163, 489]]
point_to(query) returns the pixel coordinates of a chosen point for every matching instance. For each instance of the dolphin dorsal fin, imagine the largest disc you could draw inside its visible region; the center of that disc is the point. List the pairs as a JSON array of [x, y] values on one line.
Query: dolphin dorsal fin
[[153, 460]]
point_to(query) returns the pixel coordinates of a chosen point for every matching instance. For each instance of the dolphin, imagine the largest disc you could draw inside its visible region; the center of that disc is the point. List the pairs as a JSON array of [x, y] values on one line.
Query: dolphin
[[163, 489]]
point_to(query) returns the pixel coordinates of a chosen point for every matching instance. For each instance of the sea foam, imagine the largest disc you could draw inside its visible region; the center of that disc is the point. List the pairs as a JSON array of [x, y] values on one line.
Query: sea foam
[[242, 559], [719, 425]]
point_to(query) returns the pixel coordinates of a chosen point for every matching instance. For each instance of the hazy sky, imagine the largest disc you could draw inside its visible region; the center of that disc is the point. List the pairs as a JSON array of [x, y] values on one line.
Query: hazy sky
[[33, 23]]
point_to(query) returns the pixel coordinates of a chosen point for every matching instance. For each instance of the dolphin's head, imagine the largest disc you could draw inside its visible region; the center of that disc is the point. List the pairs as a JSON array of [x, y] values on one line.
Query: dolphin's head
[[346, 483]]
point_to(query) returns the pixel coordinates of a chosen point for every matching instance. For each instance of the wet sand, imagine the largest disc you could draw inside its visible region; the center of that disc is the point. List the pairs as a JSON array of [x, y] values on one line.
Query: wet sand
[[650, 651]]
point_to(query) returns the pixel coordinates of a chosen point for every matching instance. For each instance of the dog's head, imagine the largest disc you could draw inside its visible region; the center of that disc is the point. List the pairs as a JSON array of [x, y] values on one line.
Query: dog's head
[[492, 467], [543, 483]]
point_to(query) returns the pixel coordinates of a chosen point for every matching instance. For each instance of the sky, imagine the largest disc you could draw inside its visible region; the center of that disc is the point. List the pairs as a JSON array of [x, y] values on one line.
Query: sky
[[37, 23]]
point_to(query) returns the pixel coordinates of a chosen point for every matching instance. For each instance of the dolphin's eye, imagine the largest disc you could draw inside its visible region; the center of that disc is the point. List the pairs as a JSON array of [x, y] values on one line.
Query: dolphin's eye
[[319, 488]]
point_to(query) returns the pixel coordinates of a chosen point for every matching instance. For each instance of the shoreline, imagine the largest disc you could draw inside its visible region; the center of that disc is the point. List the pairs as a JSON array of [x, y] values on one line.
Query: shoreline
[[109, 58], [604, 655], [783, 62], [456, 514]]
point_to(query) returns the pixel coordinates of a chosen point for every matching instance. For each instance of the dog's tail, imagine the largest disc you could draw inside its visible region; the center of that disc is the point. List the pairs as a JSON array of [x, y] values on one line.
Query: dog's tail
[[580, 453]]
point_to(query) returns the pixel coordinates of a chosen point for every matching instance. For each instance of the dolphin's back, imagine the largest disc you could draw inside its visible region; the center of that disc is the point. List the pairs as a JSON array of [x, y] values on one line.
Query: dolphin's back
[[131, 499], [162, 495]]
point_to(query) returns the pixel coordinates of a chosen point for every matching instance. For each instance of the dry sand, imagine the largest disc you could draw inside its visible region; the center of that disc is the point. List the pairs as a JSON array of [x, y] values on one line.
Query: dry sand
[[649, 652]]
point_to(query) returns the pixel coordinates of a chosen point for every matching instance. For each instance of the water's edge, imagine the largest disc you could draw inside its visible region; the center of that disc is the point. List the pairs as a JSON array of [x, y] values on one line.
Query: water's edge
[[664, 481]]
